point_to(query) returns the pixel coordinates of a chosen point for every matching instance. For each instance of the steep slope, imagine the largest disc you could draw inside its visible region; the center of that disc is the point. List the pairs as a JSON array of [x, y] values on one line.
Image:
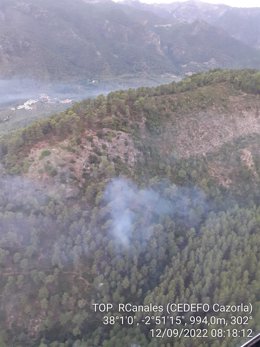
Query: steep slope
[[74, 39], [143, 196], [78, 40], [188, 11], [199, 46], [240, 23]]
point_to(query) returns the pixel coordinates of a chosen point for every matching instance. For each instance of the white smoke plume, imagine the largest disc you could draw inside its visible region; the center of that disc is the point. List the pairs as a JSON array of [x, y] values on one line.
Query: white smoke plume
[[127, 205]]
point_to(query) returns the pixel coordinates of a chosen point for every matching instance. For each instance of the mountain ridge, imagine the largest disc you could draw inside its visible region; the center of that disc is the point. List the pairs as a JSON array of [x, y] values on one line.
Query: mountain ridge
[[70, 41]]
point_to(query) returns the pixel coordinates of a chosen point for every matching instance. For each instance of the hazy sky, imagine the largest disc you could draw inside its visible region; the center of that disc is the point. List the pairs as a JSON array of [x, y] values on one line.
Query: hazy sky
[[235, 3]]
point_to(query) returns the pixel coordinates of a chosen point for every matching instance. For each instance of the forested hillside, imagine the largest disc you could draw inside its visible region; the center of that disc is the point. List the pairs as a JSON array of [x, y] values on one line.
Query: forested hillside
[[143, 196]]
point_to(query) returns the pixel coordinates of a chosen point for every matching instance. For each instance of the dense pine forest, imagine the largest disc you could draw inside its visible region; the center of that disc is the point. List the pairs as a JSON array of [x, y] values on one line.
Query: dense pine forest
[[141, 196]]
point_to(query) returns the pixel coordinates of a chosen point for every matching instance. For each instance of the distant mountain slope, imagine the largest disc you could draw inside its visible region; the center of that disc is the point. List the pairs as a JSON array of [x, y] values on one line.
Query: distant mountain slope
[[199, 46], [240, 23], [73, 39], [66, 40], [188, 11]]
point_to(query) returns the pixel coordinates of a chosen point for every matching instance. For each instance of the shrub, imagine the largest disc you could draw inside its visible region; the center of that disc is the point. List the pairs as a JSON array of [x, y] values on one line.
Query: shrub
[[44, 153]]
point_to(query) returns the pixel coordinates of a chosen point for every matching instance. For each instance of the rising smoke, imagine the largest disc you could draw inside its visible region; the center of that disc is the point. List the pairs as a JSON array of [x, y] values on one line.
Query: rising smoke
[[129, 205]]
